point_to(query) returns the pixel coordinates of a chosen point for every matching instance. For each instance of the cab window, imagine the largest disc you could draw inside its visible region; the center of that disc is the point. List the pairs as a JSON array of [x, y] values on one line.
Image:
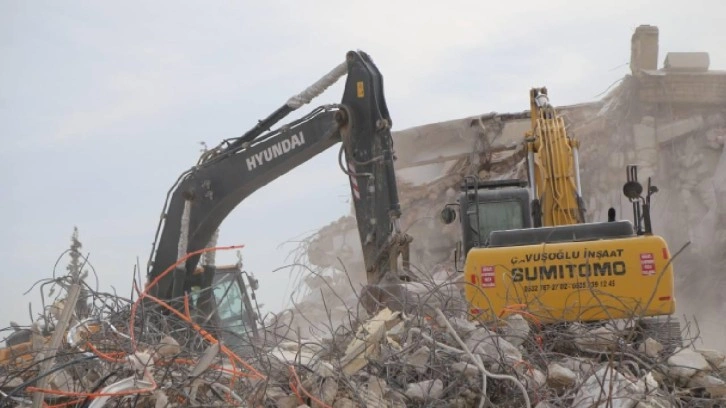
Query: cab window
[[228, 296], [496, 216]]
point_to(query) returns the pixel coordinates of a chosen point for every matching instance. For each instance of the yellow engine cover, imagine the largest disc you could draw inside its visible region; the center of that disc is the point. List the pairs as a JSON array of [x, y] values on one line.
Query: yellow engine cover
[[573, 281]]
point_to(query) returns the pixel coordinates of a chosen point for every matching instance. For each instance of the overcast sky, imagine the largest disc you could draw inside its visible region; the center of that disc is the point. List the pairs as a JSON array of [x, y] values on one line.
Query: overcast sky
[[103, 104]]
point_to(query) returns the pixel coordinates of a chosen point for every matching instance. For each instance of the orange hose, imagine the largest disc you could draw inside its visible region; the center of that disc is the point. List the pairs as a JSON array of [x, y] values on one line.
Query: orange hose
[[186, 307], [105, 356], [295, 389]]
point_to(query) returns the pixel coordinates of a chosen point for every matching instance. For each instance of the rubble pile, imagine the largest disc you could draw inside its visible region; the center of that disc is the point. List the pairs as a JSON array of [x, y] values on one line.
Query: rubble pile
[[428, 356]]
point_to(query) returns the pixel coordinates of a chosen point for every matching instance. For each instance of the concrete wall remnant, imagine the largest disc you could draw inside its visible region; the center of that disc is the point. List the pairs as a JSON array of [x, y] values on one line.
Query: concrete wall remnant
[[644, 49]]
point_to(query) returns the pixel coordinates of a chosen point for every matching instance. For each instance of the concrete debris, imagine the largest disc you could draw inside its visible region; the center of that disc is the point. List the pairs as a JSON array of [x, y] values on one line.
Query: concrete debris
[[429, 365], [602, 339], [534, 379], [609, 388], [516, 330], [289, 401], [344, 403], [715, 386], [429, 389], [327, 392], [581, 365], [650, 347], [419, 359], [560, 377], [686, 363], [714, 357], [492, 346], [656, 400], [168, 347], [366, 343]]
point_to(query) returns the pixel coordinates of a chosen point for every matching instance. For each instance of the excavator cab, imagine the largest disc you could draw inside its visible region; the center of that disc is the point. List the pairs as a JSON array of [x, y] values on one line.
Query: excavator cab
[[488, 206], [228, 305]]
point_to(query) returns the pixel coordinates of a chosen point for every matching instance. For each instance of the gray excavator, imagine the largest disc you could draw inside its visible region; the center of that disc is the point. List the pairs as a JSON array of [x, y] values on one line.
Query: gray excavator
[[203, 196]]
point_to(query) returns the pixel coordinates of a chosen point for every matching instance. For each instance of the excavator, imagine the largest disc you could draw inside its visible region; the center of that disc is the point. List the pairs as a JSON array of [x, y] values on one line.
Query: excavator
[[222, 298], [224, 176], [527, 245]]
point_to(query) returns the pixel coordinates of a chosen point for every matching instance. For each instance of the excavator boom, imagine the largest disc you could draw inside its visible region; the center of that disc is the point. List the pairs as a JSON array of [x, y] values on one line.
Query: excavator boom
[[553, 162], [205, 194]]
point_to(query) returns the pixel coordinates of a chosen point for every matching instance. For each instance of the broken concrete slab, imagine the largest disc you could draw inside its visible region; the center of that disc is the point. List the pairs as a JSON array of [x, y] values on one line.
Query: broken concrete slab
[[516, 329], [492, 346], [686, 363], [168, 347], [608, 387], [367, 339], [601, 339], [673, 131], [534, 378], [714, 357], [419, 359], [560, 377], [650, 347], [715, 386]]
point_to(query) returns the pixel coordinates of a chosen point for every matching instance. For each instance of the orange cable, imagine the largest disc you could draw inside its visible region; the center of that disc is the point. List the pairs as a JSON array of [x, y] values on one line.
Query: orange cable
[[105, 356], [297, 379]]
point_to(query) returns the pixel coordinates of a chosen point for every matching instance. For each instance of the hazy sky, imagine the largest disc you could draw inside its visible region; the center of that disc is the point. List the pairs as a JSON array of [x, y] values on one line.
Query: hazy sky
[[103, 105]]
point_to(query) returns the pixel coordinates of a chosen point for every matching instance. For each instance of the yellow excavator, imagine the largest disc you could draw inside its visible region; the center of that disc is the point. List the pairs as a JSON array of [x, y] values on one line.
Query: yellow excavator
[[527, 245]]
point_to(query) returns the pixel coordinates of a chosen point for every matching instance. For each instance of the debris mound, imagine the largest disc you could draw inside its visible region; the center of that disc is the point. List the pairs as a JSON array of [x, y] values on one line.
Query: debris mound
[[124, 352]]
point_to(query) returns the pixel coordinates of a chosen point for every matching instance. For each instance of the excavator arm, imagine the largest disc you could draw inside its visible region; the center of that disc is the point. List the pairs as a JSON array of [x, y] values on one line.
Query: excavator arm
[[205, 194], [553, 166]]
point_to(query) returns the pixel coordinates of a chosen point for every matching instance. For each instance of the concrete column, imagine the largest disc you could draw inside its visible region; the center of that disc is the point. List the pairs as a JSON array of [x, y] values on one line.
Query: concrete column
[[646, 148]]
